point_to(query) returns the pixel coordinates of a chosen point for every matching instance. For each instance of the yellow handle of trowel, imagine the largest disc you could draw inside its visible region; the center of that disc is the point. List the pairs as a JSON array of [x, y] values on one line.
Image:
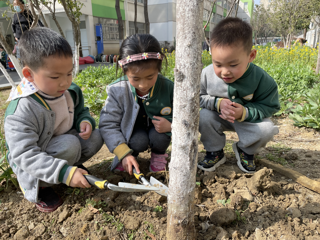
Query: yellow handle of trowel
[[94, 181]]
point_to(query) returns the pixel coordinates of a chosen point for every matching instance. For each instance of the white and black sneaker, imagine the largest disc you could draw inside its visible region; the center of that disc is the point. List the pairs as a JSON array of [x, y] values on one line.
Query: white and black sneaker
[[212, 160], [245, 161]]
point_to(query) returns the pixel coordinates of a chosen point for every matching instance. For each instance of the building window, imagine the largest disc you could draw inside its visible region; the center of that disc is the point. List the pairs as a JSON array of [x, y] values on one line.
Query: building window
[[141, 28], [109, 29], [139, 1]]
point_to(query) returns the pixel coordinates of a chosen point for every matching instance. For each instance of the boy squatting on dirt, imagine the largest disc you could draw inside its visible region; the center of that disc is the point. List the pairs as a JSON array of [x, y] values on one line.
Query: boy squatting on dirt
[[235, 95], [48, 130]]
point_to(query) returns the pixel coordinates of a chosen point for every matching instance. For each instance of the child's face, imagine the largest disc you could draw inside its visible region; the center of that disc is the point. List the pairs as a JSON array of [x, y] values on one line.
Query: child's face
[[230, 62], [54, 77], [142, 80]]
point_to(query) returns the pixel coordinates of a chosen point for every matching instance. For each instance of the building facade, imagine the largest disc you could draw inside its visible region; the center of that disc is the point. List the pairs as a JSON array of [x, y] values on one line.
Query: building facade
[[162, 18]]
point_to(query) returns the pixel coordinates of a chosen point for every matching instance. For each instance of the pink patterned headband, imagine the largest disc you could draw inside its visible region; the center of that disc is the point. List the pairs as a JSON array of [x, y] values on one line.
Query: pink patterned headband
[[140, 56]]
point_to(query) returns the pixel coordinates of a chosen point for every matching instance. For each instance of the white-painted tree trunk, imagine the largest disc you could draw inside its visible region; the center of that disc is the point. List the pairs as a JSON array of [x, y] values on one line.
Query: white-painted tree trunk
[[5, 73], [16, 65], [318, 62], [184, 156], [76, 58]]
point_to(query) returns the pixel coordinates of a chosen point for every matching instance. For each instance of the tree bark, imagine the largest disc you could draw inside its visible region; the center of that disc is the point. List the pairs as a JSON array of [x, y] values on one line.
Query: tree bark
[[71, 10], [53, 13], [37, 6], [35, 16], [305, 33], [318, 62], [13, 59], [146, 16], [136, 30], [120, 22], [184, 156]]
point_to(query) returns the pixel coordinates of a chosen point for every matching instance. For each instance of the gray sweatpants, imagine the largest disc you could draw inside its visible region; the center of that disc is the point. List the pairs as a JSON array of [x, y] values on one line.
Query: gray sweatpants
[[71, 147], [252, 136]]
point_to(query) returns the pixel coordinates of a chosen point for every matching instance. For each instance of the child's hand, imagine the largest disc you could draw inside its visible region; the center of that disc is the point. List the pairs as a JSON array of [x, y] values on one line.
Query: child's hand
[[127, 163], [161, 125], [238, 109], [230, 111], [78, 180], [227, 110], [86, 130]]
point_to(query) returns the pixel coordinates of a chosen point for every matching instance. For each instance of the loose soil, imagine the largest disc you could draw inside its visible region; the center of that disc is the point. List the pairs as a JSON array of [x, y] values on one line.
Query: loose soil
[[229, 204]]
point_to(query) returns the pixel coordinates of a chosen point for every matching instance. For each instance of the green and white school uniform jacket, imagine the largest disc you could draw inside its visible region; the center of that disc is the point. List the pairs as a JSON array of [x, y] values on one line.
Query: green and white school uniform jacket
[[121, 109], [256, 90], [29, 126]]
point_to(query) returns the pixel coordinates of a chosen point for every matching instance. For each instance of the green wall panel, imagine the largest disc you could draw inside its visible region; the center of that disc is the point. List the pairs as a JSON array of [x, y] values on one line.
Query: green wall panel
[[3, 4], [106, 9], [106, 12]]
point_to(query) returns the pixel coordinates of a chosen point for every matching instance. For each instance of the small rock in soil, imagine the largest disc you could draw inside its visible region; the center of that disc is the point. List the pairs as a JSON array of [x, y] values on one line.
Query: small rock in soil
[[222, 234], [236, 201], [85, 228], [260, 235], [295, 212], [245, 193], [291, 156], [223, 216], [31, 226], [23, 233], [131, 223], [89, 216], [64, 231], [39, 230], [64, 215], [209, 179], [236, 235]]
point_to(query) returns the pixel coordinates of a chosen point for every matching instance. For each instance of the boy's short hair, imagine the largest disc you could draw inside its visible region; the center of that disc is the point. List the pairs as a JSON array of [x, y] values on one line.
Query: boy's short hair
[[39, 43], [232, 31]]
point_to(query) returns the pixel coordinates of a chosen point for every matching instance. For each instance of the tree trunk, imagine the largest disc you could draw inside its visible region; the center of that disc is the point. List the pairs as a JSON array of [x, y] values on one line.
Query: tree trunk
[[13, 59], [318, 62], [120, 22], [146, 16], [237, 9], [7, 76], [36, 4], [184, 156], [77, 41], [136, 30], [35, 16], [305, 33], [53, 13]]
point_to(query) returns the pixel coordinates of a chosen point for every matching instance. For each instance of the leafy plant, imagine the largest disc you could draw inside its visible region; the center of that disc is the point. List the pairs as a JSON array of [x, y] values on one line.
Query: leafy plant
[[239, 217], [109, 218], [158, 209], [6, 172], [224, 201], [307, 114]]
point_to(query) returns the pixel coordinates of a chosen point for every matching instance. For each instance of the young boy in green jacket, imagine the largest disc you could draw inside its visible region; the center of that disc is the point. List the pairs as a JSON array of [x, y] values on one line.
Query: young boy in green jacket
[[49, 132], [235, 95]]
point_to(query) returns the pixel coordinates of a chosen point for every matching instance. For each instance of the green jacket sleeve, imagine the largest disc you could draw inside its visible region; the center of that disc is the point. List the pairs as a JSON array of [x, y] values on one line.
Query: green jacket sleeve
[[266, 103], [81, 112]]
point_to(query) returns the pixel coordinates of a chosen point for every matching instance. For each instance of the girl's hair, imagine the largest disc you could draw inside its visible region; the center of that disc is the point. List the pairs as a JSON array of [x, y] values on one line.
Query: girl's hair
[[140, 43]]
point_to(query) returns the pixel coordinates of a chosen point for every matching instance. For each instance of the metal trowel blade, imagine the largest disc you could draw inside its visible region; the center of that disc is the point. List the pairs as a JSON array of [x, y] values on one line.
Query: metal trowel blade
[[137, 187], [162, 189]]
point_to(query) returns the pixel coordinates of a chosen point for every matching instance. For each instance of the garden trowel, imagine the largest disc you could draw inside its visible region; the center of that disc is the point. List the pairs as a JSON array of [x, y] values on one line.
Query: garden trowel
[[104, 184], [154, 183]]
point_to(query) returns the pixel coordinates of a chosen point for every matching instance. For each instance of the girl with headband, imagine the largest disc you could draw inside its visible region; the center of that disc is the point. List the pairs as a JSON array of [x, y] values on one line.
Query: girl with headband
[[138, 111]]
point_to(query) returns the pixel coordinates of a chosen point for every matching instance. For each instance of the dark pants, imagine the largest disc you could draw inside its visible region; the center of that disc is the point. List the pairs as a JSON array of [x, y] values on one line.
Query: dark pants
[[141, 139]]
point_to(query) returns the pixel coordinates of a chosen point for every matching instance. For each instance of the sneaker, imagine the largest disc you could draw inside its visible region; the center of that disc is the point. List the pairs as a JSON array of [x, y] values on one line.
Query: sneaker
[[158, 162], [119, 168], [84, 168], [49, 201], [245, 161], [212, 160]]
